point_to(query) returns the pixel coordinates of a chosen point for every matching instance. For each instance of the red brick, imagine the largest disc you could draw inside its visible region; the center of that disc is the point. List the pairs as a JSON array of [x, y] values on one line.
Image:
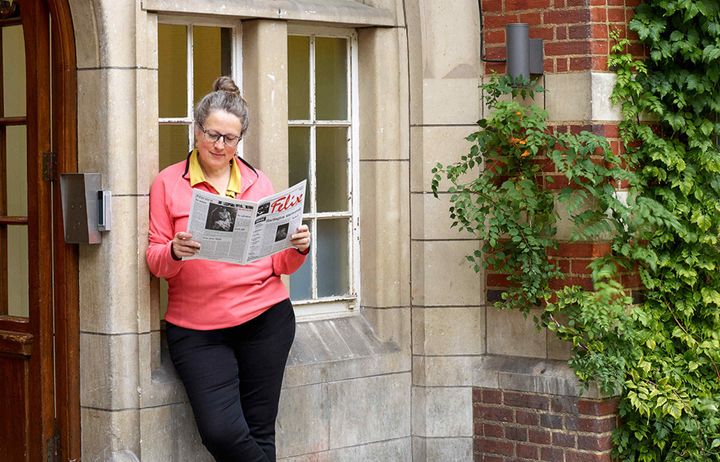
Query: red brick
[[570, 47], [581, 249], [545, 33], [527, 451], [581, 31], [559, 3], [575, 3], [499, 22], [598, 2], [587, 424], [498, 414], [598, 407], [631, 280], [563, 439], [570, 422], [519, 5], [580, 266], [491, 396], [576, 16], [599, 47], [495, 52], [600, 63], [599, 31], [598, 15], [594, 443], [551, 454], [493, 431], [516, 433], [576, 456], [533, 18], [616, 15], [491, 458], [551, 421], [492, 6], [539, 435], [561, 32], [526, 400], [498, 68], [477, 395], [497, 280], [527, 418], [607, 130], [492, 446], [564, 404], [494, 36]]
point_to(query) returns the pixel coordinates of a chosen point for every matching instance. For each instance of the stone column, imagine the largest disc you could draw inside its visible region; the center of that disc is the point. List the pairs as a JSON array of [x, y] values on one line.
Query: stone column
[[265, 90]]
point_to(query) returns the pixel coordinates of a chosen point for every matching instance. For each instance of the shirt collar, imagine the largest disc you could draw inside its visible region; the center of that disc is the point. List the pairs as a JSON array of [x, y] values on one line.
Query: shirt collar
[[197, 176]]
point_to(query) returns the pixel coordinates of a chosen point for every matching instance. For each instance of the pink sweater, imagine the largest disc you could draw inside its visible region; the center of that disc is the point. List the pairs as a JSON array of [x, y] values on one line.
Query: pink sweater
[[205, 294]]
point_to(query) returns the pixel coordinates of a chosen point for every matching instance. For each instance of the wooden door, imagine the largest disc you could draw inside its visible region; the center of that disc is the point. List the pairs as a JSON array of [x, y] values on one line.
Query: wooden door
[[36, 393]]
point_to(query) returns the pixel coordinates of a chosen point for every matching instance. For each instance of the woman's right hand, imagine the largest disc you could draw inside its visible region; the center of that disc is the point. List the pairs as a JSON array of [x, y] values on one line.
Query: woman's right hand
[[184, 246]]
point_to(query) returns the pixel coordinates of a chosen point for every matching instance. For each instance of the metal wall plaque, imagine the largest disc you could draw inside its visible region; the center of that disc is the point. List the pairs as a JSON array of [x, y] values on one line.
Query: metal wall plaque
[[79, 192]]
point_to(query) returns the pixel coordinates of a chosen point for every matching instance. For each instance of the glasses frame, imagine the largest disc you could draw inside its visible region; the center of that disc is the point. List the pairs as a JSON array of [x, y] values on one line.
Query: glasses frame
[[220, 136]]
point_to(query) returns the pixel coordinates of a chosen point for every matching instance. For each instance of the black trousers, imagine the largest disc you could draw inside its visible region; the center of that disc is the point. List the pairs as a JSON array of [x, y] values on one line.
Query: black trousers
[[233, 377]]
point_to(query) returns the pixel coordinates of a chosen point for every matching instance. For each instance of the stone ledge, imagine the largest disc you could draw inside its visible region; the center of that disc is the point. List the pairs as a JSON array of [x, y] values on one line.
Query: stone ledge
[[531, 375], [341, 349], [341, 12], [324, 351]]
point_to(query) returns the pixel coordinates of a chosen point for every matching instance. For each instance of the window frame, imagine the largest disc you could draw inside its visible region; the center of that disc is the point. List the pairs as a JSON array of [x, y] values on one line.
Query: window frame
[[337, 306]]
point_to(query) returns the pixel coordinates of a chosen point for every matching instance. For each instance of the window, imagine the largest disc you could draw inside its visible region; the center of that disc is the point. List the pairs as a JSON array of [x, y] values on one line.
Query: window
[[323, 134], [190, 58]]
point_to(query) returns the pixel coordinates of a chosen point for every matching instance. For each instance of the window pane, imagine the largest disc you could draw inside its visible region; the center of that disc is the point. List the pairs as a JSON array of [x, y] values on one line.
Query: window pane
[[16, 171], [172, 70], [331, 169], [331, 78], [299, 151], [13, 67], [173, 144], [211, 58], [17, 283], [298, 78], [333, 259], [301, 282]]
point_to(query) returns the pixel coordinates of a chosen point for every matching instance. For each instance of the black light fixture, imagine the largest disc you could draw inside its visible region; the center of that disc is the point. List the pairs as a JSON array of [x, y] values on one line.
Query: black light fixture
[[524, 55]]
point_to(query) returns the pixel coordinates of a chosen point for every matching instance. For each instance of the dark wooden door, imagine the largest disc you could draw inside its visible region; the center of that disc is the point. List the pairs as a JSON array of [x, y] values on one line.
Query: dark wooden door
[[28, 245]]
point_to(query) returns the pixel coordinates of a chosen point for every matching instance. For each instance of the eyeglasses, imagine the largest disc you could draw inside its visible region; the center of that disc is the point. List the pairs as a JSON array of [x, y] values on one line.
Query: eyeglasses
[[214, 137]]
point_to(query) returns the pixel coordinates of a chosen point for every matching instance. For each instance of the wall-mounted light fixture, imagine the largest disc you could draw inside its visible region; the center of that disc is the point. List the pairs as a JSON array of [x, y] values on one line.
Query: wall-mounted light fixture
[[524, 55]]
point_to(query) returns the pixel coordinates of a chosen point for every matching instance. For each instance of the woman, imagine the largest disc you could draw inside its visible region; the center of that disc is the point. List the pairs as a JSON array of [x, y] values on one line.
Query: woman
[[229, 327]]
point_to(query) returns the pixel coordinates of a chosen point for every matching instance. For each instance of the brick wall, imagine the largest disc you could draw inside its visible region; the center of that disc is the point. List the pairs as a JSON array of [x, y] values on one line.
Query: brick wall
[[575, 32], [520, 426]]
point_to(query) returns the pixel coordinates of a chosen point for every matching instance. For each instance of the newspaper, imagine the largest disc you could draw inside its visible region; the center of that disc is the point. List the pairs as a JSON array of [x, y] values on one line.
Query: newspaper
[[237, 231]]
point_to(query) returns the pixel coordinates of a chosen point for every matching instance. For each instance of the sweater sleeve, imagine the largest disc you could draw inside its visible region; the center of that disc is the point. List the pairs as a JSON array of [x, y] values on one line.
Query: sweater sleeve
[[287, 261], [161, 233]]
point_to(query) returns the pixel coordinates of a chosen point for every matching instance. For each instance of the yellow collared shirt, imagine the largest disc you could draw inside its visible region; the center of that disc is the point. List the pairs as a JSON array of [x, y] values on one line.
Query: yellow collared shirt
[[197, 175]]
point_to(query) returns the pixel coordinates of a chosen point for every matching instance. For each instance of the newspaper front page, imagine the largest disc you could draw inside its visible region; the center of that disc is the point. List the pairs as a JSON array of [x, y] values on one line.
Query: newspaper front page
[[238, 231]]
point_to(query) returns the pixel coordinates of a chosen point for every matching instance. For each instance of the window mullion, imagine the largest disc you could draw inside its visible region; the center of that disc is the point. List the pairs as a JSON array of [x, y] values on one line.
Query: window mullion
[[354, 165], [190, 83], [312, 173]]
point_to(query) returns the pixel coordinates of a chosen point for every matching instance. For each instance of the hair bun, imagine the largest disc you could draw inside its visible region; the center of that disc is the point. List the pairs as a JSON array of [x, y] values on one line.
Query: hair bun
[[226, 84]]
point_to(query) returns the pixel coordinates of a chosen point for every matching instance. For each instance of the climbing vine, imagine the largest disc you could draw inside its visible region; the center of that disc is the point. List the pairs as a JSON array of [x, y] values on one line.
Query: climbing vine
[[661, 354]]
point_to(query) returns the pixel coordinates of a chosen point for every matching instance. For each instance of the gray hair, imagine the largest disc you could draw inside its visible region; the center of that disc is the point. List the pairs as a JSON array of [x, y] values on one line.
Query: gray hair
[[225, 96]]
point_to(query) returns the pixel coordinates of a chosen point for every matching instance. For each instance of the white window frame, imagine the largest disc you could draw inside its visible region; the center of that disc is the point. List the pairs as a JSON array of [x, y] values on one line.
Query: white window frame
[[235, 27], [333, 307]]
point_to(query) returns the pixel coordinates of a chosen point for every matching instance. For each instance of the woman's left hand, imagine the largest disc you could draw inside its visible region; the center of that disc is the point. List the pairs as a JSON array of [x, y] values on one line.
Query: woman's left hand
[[301, 239]]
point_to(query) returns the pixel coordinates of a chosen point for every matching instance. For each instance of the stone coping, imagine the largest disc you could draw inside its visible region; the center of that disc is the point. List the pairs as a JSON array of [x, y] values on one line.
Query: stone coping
[[531, 375], [341, 12]]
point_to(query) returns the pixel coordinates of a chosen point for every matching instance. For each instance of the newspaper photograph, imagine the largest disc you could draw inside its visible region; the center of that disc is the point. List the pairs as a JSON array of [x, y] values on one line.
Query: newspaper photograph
[[238, 231]]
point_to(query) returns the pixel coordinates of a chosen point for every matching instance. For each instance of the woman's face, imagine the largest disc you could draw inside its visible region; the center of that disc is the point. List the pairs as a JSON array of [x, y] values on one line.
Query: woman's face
[[216, 155]]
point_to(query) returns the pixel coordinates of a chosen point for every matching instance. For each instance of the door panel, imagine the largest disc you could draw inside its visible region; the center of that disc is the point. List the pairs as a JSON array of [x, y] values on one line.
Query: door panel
[[26, 237]]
